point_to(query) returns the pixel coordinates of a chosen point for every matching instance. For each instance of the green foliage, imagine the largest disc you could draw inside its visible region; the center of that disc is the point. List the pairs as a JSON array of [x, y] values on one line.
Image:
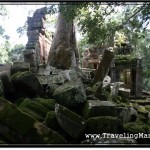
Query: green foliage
[[4, 51], [22, 30], [82, 45], [16, 52]]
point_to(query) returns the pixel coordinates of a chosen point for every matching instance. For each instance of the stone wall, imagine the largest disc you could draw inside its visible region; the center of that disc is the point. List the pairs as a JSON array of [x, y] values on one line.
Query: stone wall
[[38, 45]]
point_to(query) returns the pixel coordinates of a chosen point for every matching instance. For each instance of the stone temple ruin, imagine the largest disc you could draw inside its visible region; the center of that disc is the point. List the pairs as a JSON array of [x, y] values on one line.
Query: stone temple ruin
[[123, 68], [38, 46], [68, 105], [129, 68]]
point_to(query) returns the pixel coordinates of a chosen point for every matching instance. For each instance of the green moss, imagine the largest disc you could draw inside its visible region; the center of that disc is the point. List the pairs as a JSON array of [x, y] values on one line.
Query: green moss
[[18, 101], [103, 124], [21, 128], [51, 121], [107, 94], [124, 104], [134, 105], [70, 94], [125, 59], [147, 107], [141, 109], [20, 75], [28, 83], [21, 122], [33, 108], [136, 127], [48, 103]]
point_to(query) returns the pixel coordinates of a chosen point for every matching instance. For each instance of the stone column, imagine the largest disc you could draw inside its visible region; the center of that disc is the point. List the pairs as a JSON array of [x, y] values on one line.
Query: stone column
[[103, 66]]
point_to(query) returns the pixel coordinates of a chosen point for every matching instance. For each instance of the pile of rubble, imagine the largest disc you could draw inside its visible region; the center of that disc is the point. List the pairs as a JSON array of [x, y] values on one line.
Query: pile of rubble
[[64, 106]]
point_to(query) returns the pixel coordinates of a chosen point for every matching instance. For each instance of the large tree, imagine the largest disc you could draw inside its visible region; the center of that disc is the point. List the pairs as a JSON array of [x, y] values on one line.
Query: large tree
[[63, 52]]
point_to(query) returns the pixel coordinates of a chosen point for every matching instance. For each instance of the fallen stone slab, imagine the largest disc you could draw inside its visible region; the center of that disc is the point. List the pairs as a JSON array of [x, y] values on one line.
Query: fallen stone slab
[[34, 109], [20, 128], [94, 108], [48, 103], [69, 121], [103, 124]]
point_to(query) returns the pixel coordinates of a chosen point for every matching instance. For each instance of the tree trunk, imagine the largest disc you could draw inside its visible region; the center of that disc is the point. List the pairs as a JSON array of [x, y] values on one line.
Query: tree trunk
[[63, 52]]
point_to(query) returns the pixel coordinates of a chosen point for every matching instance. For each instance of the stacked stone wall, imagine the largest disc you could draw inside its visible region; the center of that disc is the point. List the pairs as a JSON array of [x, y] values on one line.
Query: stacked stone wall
[[38, 45]]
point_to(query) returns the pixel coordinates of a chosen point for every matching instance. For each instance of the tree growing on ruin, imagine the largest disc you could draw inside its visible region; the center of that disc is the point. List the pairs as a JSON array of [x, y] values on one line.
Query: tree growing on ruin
[[63, 52]]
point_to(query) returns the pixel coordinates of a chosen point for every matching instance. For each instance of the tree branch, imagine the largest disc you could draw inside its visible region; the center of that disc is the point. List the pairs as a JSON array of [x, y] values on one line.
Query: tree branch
[[127, 20]]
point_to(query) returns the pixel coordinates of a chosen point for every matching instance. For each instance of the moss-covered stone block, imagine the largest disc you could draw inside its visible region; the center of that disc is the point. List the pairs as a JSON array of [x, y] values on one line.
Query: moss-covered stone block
[[103, 124], [40, 134], [70, 94], [7, 84], [127, 114], [147, 108], [34, 109], [141, 109], [51, 121], [69, 121], [20, 67], [136, 127], [18, 101], [48, 103], [107, 94], [28, 83], [139, 128], [20, 128], [94, 108]]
